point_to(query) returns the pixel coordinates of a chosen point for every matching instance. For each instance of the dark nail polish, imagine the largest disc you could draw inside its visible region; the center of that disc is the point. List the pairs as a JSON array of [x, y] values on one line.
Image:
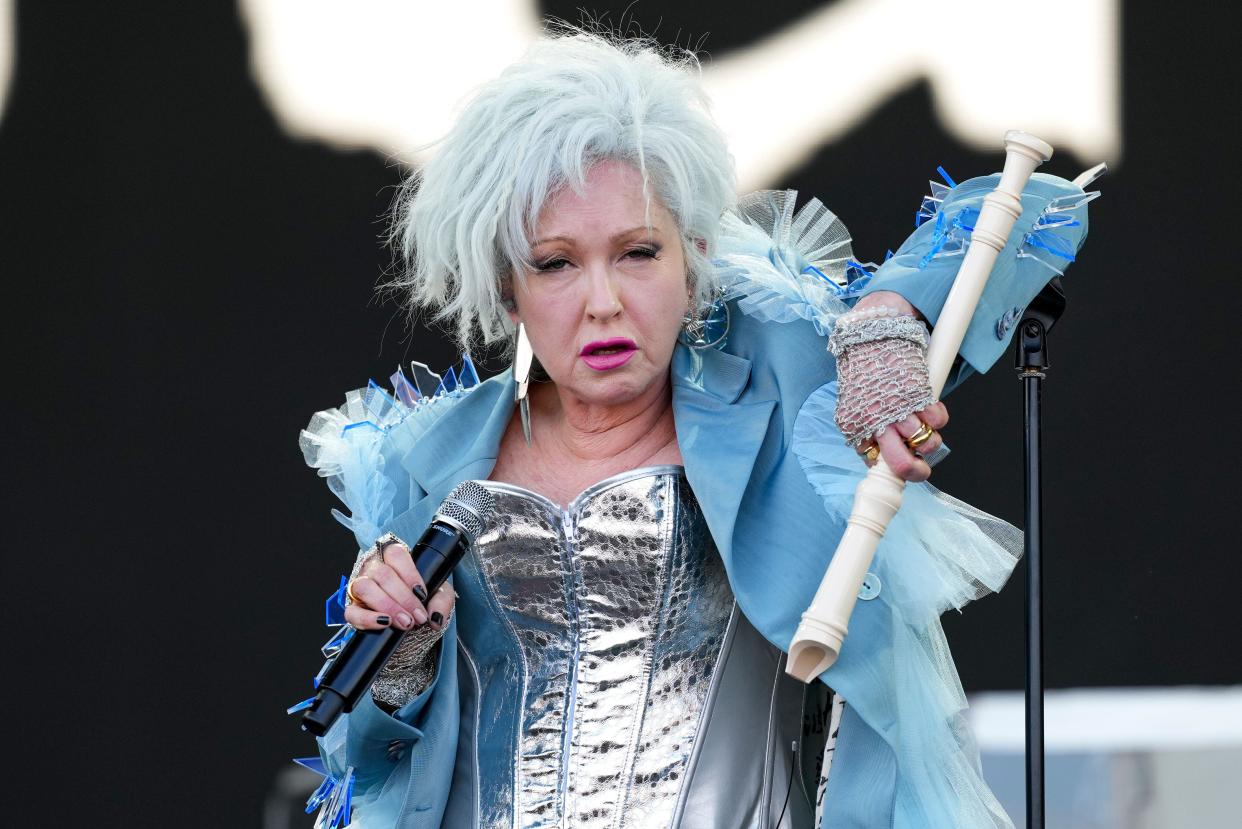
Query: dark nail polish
[[420, 592], [437, 618], [382, 620]]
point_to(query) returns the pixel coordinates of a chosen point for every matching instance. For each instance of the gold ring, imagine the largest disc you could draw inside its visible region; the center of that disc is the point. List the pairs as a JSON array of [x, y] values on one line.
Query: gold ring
[[349, 592], [872, 452], [920, 437]]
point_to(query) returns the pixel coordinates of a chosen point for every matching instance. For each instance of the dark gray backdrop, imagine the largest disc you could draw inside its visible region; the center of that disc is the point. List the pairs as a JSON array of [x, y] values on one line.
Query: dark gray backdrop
[[186, 286]]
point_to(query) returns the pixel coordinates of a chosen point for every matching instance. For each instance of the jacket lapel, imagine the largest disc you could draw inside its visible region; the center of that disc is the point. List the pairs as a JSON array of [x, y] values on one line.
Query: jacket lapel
[[719, 437], [464, 444]]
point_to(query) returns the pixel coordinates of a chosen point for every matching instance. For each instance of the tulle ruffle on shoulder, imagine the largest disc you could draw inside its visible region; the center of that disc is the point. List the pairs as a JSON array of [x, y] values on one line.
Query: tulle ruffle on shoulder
[[783, 265], [345, 444]]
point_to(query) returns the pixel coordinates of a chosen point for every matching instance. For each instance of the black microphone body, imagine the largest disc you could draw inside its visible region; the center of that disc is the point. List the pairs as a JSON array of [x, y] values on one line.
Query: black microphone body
[[353, 670]]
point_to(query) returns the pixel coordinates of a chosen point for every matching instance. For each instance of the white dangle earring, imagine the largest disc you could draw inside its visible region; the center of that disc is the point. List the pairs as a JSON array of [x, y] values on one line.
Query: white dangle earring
[[523, 356]]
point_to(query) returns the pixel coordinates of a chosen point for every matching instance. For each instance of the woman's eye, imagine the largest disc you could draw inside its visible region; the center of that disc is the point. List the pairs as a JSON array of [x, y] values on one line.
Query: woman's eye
[[642, 253], [552, 265]]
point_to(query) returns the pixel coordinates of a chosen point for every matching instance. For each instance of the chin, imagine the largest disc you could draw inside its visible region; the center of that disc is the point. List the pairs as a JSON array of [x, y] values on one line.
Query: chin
[[614, 391], [611, 394]]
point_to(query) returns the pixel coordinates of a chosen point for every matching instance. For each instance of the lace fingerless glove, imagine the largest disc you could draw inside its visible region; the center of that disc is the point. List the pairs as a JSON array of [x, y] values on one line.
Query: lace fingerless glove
[[881, 370], [410, 669]]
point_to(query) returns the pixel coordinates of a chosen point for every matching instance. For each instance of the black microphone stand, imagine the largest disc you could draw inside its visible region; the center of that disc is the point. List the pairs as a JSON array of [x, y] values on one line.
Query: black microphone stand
[[1032, 363]]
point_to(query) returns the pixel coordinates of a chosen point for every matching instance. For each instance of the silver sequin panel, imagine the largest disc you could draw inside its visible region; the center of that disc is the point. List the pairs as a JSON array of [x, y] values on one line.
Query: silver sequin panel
[[620, 604]]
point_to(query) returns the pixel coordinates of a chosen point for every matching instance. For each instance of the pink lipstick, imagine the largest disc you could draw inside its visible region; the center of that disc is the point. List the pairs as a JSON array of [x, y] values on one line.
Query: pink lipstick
[[603, 355]]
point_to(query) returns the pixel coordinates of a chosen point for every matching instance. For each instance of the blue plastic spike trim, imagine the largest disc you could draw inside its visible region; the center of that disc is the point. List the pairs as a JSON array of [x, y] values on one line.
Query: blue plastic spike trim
[[361, 424], [301, 706], [405, 391], [939, 238], [1052, 243], [424, 379], [944, 175], [1050, 221], [857, 276], [377, 399], [967, 219], [856, 287], [347, 811], [854, 271], [333, 646], [320, 794], [338, 809], [334, 605], [1070, 201], [449, 381], [469, 377], [819, 273], [318, 678], [315, 764]]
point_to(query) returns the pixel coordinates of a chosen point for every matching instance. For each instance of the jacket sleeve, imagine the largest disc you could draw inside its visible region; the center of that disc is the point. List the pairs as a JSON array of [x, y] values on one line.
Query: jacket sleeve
[[403, 761], [1044, 240]]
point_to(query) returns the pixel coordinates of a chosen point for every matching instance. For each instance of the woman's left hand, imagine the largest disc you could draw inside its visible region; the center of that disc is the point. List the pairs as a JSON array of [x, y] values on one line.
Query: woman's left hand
[[875, 377], [907, 463]]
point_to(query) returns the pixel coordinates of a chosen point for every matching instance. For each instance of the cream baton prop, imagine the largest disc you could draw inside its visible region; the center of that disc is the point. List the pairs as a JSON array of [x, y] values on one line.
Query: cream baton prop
[[817, 641]]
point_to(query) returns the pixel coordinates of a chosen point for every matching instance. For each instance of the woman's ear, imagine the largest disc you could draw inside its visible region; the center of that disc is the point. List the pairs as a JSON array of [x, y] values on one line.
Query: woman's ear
[[508, 302]]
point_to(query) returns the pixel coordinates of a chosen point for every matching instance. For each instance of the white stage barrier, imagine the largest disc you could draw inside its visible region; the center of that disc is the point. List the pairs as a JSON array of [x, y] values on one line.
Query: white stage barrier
[[1121, 758]]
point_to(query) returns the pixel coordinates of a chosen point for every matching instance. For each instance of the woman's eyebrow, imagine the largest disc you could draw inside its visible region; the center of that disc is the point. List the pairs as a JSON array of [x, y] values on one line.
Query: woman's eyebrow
[[614, 237]]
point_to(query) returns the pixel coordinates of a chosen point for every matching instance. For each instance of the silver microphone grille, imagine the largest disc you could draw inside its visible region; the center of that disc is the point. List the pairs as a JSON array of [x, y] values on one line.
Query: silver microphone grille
[[469, 505]]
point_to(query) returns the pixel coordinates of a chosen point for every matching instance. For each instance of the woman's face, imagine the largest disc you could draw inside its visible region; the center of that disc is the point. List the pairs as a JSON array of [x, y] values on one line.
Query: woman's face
[[606, 299]]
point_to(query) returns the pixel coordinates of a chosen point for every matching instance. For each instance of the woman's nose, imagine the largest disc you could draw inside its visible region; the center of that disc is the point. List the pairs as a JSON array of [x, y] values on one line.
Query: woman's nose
[[603, 299]]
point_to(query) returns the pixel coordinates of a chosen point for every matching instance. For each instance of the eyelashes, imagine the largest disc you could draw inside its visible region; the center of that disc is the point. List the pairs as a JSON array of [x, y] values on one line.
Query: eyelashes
[[558, 263], [551, 265]]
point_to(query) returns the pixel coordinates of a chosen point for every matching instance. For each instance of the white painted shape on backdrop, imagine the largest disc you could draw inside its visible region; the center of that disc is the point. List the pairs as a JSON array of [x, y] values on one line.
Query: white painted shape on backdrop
[[390, 74], [992, 67], [8, 51], [387, 74]]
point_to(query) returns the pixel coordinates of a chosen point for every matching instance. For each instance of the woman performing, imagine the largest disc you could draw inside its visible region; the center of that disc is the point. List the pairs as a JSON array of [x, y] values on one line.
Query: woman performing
[[698, 383]]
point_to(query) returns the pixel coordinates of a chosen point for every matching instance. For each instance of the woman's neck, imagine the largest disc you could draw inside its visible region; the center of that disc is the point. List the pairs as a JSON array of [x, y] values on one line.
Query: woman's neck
[[574, 446], [591, 434]]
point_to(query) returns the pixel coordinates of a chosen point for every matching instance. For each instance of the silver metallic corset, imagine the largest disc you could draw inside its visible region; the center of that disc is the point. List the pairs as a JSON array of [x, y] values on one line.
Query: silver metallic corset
[[621, 610]]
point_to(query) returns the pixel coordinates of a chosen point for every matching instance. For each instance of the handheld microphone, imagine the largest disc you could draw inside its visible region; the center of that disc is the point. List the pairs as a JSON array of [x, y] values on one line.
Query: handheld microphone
[[453, 529]]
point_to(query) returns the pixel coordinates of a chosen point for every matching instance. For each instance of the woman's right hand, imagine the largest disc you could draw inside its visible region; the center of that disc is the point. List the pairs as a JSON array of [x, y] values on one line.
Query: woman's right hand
[[389, 591]]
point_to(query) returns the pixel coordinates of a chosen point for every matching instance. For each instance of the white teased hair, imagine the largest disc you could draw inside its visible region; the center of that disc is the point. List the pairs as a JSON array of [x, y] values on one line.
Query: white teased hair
[[462, 222]]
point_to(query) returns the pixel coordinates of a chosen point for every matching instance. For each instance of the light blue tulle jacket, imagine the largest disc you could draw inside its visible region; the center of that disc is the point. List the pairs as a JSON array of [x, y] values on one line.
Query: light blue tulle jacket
[[775, 481]]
